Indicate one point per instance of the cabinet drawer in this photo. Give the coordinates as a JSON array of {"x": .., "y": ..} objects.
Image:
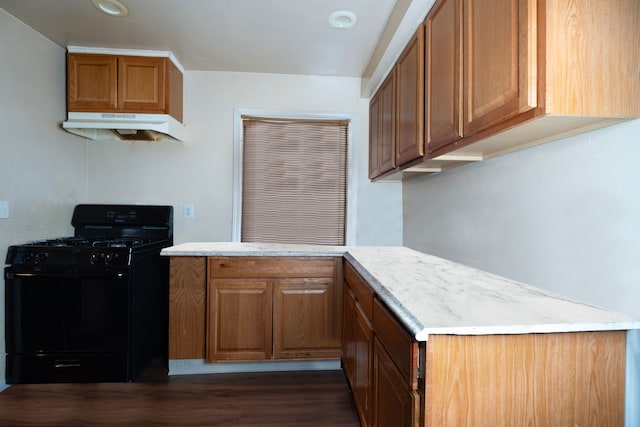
[
  {"x": 360, "y": 289},
  {"x": 270, "y": 267},
  {"x": 398, "y": 342}
]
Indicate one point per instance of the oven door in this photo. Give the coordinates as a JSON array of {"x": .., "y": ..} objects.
[{"x": 66, "y": 311}]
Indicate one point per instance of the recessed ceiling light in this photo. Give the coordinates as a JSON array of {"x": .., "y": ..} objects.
[
  {"x": 110, "y": 7},
  {"x": 342, "y": 19}
]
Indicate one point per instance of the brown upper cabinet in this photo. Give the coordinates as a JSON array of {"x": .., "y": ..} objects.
[
  {"x": 397, "y": 112},
  {"x": 443, "y": 75},
  {"x": 123, "y": 84},
  {"x": 410, "y": 100},
  {"x": 382, "y": 112},
  {"x": 481, "y": 68},
  {"x": 501, "y": 75}
]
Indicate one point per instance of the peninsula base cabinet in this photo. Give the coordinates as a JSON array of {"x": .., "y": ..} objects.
[
  {"x": 557, "y": 379},
  {"x": 542, "y": 380},
  {"x": 244, "y": 308},
  {"x": 263, "y": 308}
]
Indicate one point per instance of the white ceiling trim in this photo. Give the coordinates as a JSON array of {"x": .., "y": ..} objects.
[{"x": 415, "y": 15}]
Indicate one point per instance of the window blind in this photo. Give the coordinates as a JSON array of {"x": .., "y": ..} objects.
[{"x": 294, "y": 181}]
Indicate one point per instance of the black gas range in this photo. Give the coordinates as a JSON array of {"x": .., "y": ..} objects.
[{"x": 92, "y": 307}]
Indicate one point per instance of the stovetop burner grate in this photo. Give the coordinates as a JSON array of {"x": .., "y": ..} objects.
[{"x": 92, "y": 242}]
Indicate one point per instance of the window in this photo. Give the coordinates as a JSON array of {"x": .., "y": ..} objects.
[{"x": 293, "y": 181}]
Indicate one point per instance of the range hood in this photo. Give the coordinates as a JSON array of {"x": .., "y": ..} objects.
[{"x": 125, "y": 127}]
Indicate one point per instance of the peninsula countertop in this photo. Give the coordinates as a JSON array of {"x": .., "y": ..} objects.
[{"x": 432, "y": 295}]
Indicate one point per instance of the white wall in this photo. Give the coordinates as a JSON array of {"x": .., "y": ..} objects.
[
  {"x": 563, "y": 216},
  {"x": 45, "y": 171},
  {"x": 200, "y": 170},
  {"x": 42, "y": 169}
]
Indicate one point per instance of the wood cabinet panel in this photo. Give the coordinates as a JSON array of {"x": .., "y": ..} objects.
[
  {"x": 102, "y": 83},
  {"x": 394, "y": 404},
  {"x": 499, "y": 61},
  {"x": 503, "y": 75},
  {"x": 400, "y": 345},
  {"x": 274, "y": 308},
  {"x": 443, "y": 75},
  {"x": 545, "y": 380},
  {"x": 600, "y": 76},
  {"x": 240, "y": 320},
  {"x": 362, "y": 384},
  {"x": 92, "y": 83},
  {"x": 361, "y": 290},
  {"x": 271, "y": 267},
  {"x": 410, "y": 100},
  {"x": 349, "y": 335},
  {"x": 306, "y": 319},
  {"x": 173, "y": 91},
  {"x": 396, "y": 131},
  {"x": 358, "y": 341},
  {"x": 142, "y": 83},
  {"x": 187, "y": 299},
  {"x": 388, "y": 118},
  {"x": 374, "y": 135},
  {"x": 382, "y": 128}
]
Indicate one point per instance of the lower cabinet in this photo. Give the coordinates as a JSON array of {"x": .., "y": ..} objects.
[
  {"x": 306, "y": 319},
  {"x": 267, "y": 308},
  {"x": 239, "y": 320},
  {"x": 263, "y": 308},
  {"x": 394, "y": 403},
  {"x": 357, "y": 337},
  {"x": 384, "y": 394},
  {"x": 543, "y": 379}
]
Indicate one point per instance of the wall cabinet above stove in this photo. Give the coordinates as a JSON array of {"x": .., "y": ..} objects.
[
  {"x": 105, "y": 83},
  {"x": 502, "y": 75}
]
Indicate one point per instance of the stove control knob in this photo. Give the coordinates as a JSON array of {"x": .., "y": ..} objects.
[
  {"x": 93, "y": 259},
  {"x": 110, "y": 257},
  {"x": 40, "y": 257}
]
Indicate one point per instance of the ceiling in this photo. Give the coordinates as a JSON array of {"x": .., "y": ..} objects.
[{"x": 264, "y": 36}]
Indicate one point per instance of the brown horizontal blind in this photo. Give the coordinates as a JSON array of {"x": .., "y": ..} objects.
[{"x": 294, "y": 181}]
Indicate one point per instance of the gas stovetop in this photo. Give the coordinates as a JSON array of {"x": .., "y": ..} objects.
[
  {"x": 105, "y": 235},
  {"x": 74, "y": 251},
  {"x": 91, "y": 242}
]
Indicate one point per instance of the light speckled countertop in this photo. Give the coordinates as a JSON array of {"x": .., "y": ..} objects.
[{"x": 432, "y": 295}]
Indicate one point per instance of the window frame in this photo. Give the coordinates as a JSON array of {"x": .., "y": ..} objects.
[{"x": 238, "y": 173}]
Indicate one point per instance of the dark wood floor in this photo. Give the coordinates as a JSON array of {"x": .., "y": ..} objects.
[{"x": 315, "y": 398}]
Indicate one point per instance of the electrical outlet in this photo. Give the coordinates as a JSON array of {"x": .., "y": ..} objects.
[
  {"x": 4, "y": 209},
  {"x": 188, "y": 211}
]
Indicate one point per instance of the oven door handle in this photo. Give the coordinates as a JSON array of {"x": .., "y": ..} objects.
[{"x": 42, "y": 274}]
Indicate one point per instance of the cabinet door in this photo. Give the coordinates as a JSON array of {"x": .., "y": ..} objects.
[
  {"x": 91, "y": 83},
  {"x": 443, "y": 75},
  {"x": 499, "y": 61},
  {"x": 382, "y": 128},
  {"x": 393, "y": 402},
  {"x": 361, "y": 387},
  {"x": 387, "y": 137},
  {"x": 349, "y": 336},
  {"x": 239, "y": 320},
  {"x": 306, "y": 320},
  {"x": 142, "y": 84},
  {"x": 410, "y": 100},
  {"x": 374, "y": 135}
]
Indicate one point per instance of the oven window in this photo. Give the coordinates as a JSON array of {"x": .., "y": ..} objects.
[{"x": 63, "y": 314}]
